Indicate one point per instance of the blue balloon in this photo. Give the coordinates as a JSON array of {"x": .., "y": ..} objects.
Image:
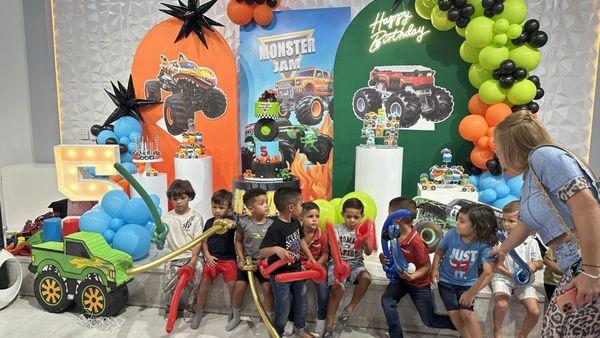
[
  {"x": 126, "y": 157},
  {"x": 116, "y": 224},
  {"x": 134, "y": 135},
  {"x": 150, "y": 227},
  {"x": 487, "y": 196},
  {"x": 131, "y": 168},
  {"x": 489, "y": 182},
  {"x": 500, "y": 203},
  {"x": 124, "y": 140},
  {"x": 97, "y": 206},
  {"x": 159, "y": 210},
  {"x": 155, "y": 199},
  {"x": 94, "y": 220},
  {"x": 126, "y": 125},
  {"x": 515, "y": 184},
  {"x": 136, "y": 211},
  {"x": 134, "y": 240},
  {"x": 105, "y": 134},
  {"x": 502, "y": 190},
  {"x": 474, "y": 180},
  {"x": 108, "y": 236},
  {"x": 130, "y": 147},
  {"x": 113, "y": 202}
]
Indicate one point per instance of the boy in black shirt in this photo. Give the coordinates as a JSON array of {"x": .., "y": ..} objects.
[
  {"x": 219, "y": 254},
  {"x": 282, "y": 241}
]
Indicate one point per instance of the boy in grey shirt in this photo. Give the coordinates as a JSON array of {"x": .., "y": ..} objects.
[{"x": 249, "y": 235}]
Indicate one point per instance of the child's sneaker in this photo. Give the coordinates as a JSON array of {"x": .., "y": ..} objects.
[
  {"x": 344, "y": 316},
  {"x": 197, "y": 319},
  {"x": 320, "y": 326},
  {"x": 327, "y": 333},
  {"x": 289, "y": 329}
]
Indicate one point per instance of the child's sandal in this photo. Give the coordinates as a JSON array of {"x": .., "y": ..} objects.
[{"x": 344, "y": 316}]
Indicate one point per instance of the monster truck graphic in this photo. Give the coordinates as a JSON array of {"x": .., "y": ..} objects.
[
  {"x": 193, "y": 89},
  {"x": 405, "y": 91},
  {"x": 307, "y": 92}
]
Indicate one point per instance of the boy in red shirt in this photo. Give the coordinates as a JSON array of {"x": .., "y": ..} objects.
[{"x": 416, "y": 284}]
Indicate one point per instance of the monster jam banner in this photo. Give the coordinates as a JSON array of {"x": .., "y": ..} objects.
[
  {"x": 294, "y": 57},
  {"x": 393, "y": 69},
  {"x": 198, "y": 87}
]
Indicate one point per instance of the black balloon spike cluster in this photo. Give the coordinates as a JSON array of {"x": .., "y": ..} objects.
[
  {"x": 271, "y": 3},
  {"x": 532, "y": 35},
  {"x": 532, "y": 106},
  {"x": 492, "y": 7},
  {"x": 458, "y": 11},
  {"x": 508, "y": 73},
  {"x": 194, "y": 19},
  {"x": 494, "y": 166}
]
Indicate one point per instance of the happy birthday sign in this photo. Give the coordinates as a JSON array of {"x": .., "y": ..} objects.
[{"x": 387, "y": 29}]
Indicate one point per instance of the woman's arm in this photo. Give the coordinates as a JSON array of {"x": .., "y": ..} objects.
[{"x": 517, "y": 236}]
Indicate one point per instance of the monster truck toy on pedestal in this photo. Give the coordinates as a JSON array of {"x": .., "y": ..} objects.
[
  {"x": 82, "y": 270},
  {"x": 241, "y": 185}
]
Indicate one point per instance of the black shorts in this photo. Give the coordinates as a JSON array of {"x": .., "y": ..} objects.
[
  {"x": 450, "y": 295},
  {"x": 243, "y": 276}
]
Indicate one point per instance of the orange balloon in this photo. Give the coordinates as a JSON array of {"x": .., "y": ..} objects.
[
  {"x": 263, "y": 15},
  {"x": 239, "y": 13},
  {"x": 490, "y": 132},
  {"x": 497, "y": 113},
  {"x": 492, "y": 144},
  {"x": 476, "y": 106},
  {"x": 480, "y": 156},
  {"x": 483, "y": 142},
  {"x": 472, "y": 127}
]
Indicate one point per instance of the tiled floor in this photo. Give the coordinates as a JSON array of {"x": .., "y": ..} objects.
[{"x": 24, "y": 318}]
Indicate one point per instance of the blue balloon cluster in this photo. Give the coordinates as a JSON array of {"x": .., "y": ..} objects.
[
  {"x": 126, "y": 130},
  {"x": 498, "y": 191},
  {"x": 126, "y": 224}
]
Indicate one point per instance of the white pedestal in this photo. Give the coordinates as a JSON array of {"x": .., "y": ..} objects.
[
  {"x": 379, "y": 174},
  {"x": 153, "y": 185},
  {"x": 199, "y": 173},
  {"x": 446, "y": 195}
]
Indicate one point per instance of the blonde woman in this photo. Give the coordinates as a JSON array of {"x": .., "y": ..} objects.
[{"x": 559, "y": 202}]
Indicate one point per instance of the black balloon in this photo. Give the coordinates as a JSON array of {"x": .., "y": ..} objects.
[
  {"x": 507, "y": 67},
  {"x": 122, "y": 148},
  {"x": 498, "y": 8},
  {"x": 111, "y": 140},
  {"x": 494, "y": 167},
  {"x": 96, "y": 129},
  {"x": 272, "y": 3},
  {"x": 506, "y": 81},
  {"x": 538, "y": 39},
  {"x": 496, "y": 74},
  {"x": 533, "y": 107},
  {"x": 531, "y": 26},
  {"x": 109, "y": 127},
  {"x": 259, "y": 1},
  {"x": 467, "y": 11},
  {"x": 488, "y": 12},
  {"x": 520, "y": 73},
  {"x": 460, "y": 3},
  {"x": 473, "y": 169},
  {"x": 518, "y": 107},
  {"x": 539, "y": 94},
  {"x": 523, "y": 38},
  {"x": 535, "y": 79},
  {"x": 453, "y": 14},
  {"x": 488, "y": 4},
  {"x": 444, "y": 5},
  {"x": 462, "y": 22}
]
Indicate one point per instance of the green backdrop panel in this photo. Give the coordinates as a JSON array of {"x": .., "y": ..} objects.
[{"x": 354, "y": 62}]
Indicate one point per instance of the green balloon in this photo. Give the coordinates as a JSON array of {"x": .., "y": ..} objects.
[
  {"x": 491, "y": 57},
  {"x": 469, "y": 53},
  {"x": 478, "y": 75},
  {"x": 490, "y": 92},
  {"x": 525, "y": 56},
  {"x": 422, "y": 10},
  {"x": 501, "y": 26},
  {"x": 440, "y": 21},
  {"x": 460, "y": 31},
  {"x": 514, "y": 31},
  {"x": 478, "y": 8},
  {"x": 429, "y": 3},
  {"x": 500, "y": 39},
  {"x": 480, "y": 32},
  {"x": 515, "y": 11},
  {"x": 522, "y": 92}
]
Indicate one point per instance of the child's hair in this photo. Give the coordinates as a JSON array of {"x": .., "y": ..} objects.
[
  {"x": 251, "y": 195},
  {"x": 178, "y": 188},
  {"x": 285, "y": 196},
  {"x": 309, "y": 206},
  {"x": 399, "y": 203},
  {"x": 511, "y": 207},
  {"x": 222, "y": 196},
  {"x": 353, "y": 203},
  {"x": 484, "y": 222}
]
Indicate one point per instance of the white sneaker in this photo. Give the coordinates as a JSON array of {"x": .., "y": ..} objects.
[
  {"x": 320, "y": 326},
  {"x": 288, "y": 330}
]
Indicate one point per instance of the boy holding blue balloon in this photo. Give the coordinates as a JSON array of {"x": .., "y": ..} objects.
[{"x": 415, "y": 282}]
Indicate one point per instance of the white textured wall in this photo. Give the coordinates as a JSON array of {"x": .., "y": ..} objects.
[{"x": 96, "y": 41}]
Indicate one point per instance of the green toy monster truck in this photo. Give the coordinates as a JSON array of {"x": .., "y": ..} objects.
[{"x": 84, "y": 270}]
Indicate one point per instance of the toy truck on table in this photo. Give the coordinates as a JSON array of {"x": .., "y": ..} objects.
[{"x": 82, "y": 270}]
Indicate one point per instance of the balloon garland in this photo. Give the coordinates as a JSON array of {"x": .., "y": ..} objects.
[{"x": 241, "y": 12}]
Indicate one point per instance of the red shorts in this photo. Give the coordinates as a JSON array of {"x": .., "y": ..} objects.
[{"x": 228, "y": 267}]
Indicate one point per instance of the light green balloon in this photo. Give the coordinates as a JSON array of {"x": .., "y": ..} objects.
[
  {"x": 469, "y": 53},
  {"x": 460, "y": 31},
  {"x": 440, "y": 21},
  {"x": 429, "y": 3},
  {"x": 480, "y": 32},
  {"x": 422, "y": 10},
  {"x": 514, "y": 31},
  {"x": 515, "y": 11},
  {"x": 478, "y": 75},
  {"x": 500, "y": 39},
  {"x": 478, "y": 8},
  {"x": 522, "y": 92},
  {"x": 501, "y": 26},
  {"x": 525, "y": 56},
  {"x": 490, "y": 57},
  {"x": 490, "y": 92}
]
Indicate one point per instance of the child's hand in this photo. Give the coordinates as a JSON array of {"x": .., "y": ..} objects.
[
  {"x": 407, "y": 276},
  {"x": 532, "y": 266},
  {"x": 241, "y": 262},
  {"x": 312, "y": 260},
  {"x": 467, "y": 298},
  {"x": 211, "y": 261},
  {"x": 191, "y": 265},
  {"x": 435, "y": 275},
  {"x": 283, "y": 253},
  {"x": 383, "y": 259}
]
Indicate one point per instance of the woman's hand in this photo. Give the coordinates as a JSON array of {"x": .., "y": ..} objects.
[
  {"x": 587, "y": 288},
  {"x": 497, "y": 252}
]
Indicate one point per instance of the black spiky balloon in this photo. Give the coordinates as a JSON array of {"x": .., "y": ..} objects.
[
  {"x": 127, "y": 104},
  {"x": 396, "y": 4},
  {"x": 193, "y": 18}
]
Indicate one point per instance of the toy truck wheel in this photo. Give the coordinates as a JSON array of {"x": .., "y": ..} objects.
[
  {"x": 215, "y": 104},
  {"x": 266, "y": 129},
  {"x": 443, "y": 104},
  {"x": 51, "y": 292},
  {"x": 285, "y": 110},
  {"x": 176, "y": 111},
  {"x": 430, "y": 232},
  {"x": 364, "y": 101},
  {"x": 309, "y": 110},
  {"x": 324, "y": 145},
  {"x": 93, "y": 300},
  {"x": 287, "y": 153},
  {"x": 152, "y": 90},
  {"x": 403, "y": 104}
]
